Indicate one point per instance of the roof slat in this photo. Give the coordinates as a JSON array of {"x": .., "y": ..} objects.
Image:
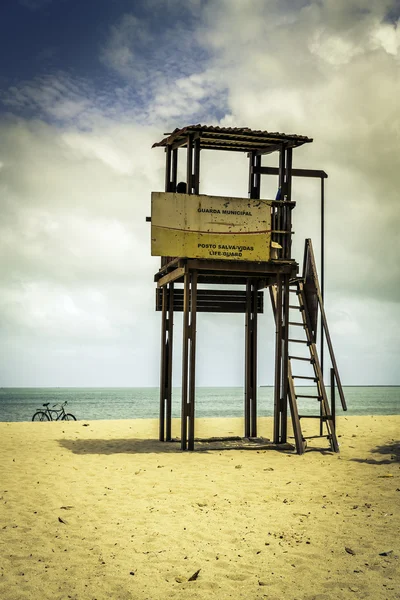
[{"x": 233, "y": 138}]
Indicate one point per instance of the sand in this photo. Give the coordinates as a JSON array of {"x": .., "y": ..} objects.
[{"x": 104, "y": 510}]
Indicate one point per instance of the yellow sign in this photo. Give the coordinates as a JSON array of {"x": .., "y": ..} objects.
[{"x": 213, "y": 227}]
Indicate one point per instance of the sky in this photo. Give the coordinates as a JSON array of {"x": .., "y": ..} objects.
[{"x": 87, "y": 87}]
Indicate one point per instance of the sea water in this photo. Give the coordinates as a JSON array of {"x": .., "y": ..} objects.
[{"x": 19, "y": 404}]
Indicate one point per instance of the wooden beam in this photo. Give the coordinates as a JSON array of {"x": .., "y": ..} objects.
[
  {"x": 295, "y": 172},
  {"x": 170, "y": 277}
]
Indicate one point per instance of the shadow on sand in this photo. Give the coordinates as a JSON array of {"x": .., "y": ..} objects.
[
  {"x": 391, "y": 450},
  {"x": 141, "y": 446}
]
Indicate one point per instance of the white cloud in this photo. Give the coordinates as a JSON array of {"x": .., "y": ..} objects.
[{"x": 76, "y": 271}]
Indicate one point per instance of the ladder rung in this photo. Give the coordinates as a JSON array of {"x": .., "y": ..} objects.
[
  {"x": 314, "y": 437},
  {"x": 298, "y": 324},
  {"x": 304, "y": 377},
  {"x": 299, "y": 341},
  {"x": 296, "y": 307},
  {"x": 310, "y": 360},
  {"x": 308, "y": 396},
  {"x": 324, "y": 418},
  {"x": 296, "y": 291}
]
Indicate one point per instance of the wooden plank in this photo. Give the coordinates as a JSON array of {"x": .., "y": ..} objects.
[
  {"x": 201, "y": 226},
  {"x": 229, "y": 301},
  {"x": 249, "y": 268},
  {"x": 295, "y": 172},
  {"x": 170, "y": 277}
]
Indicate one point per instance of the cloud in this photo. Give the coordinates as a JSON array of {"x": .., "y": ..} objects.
[
  {"x": 76, "y": 172},
  {"x": 328, "y": 70},
  {"x": 165, "y": 67},
  {"x": 75, "y": 264}
]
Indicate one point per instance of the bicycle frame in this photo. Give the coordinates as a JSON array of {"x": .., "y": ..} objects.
[{"x": 60, "y": 412}]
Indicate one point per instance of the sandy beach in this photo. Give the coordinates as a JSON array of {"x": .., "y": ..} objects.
[{"x": 101, "y": 509}]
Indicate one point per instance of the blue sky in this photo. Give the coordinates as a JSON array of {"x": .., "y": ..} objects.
[
  {"x": 87, "y": 87},
  {"x": 120, "y": 50}
]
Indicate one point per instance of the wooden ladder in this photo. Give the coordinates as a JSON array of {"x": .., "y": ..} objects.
[
  {"x": 307, "y": 338},
  {"x": 305, "y": 299}
]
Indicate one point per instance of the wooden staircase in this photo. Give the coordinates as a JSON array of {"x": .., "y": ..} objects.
[{"x": 304, "y": 306}]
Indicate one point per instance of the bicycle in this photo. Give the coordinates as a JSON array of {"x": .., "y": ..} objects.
[{"x": 53, "y": 413}]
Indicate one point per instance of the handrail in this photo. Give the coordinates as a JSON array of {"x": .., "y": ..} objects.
[{"x": 309, "y": 251}]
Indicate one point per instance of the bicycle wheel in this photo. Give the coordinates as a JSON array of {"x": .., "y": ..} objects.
[
  {"x": 68, "y": 417},
  {"x": 40, "y": 416}
]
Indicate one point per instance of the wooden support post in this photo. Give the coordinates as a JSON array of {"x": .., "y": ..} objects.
[
  {"x": 287, "y": 217},
  {"x": 257, "y": 177},
  {"x": 250, "y": 398},
  {"x": 321, "y": 352},
  {"x": 254, "y": 177},
  {"x": 253, "y": 421},
  {"x": 251, "y": 175},
  {"x": 168, "y": 388},
  {"x": 164, "y": 365},
  {"x": 185, "y": 359},
  {"x": 278, "y": 361},
  {"x": 321, "y": 343},
  {"x": 247, "y": 376},
  {"x": 289, "y": 162},
  {"x": 196, "y": 171},
  {"x": 174, "y": 176},
  {"x": 285, "y": 359},
  {"x": 282, "y": 170},
  {"x": 279, "y": 221},
  {"x": 168, "y": 169},
  {"x": 192, "y": 359},
  {"x": 167, "y": 321},
  {"x": 189, "y": 165}
]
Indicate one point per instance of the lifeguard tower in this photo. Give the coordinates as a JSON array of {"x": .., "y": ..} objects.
[{"x": 220, "y": 241}]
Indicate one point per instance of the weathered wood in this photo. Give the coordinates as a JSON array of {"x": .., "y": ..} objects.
[
  {"x": 253, "y": 420},
  {"x": 170, "y": 329},
  {"x": 185, "y": 362},
  {"x": 247, "y": 362},
  {"x": 325, "y": 415},
  {"x": 189, "y": 165},
  {"x": 178, "y": 273},
  {"x": 168, "y": 169},
  {"x": 249, "y": 268},
  {"x": 196, "y": 171},
  {"x": 295, "y": 172},
  {"x": 285, "y": 359},
  {"x": 163, "y": 366},
  {"x": 174, "y": 169},
  {"x": 229, "y": 301},
  {"x": 291, "y": 393},
  {"x": 278, "y": 361},
  {"x": 192, "y": 359},
  {"x": 325, "y": 324}
]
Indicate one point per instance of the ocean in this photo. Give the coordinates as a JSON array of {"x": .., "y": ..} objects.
[{"x": 19, "y": 404}]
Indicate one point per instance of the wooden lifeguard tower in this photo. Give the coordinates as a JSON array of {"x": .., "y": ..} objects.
[{"x": 220, "y": 241}]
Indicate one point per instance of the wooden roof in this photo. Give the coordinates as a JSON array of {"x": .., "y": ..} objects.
[{"x": 239, "y": 139}]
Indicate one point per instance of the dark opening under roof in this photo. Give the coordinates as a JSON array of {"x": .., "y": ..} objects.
[{"x": 238, "y": 139}]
